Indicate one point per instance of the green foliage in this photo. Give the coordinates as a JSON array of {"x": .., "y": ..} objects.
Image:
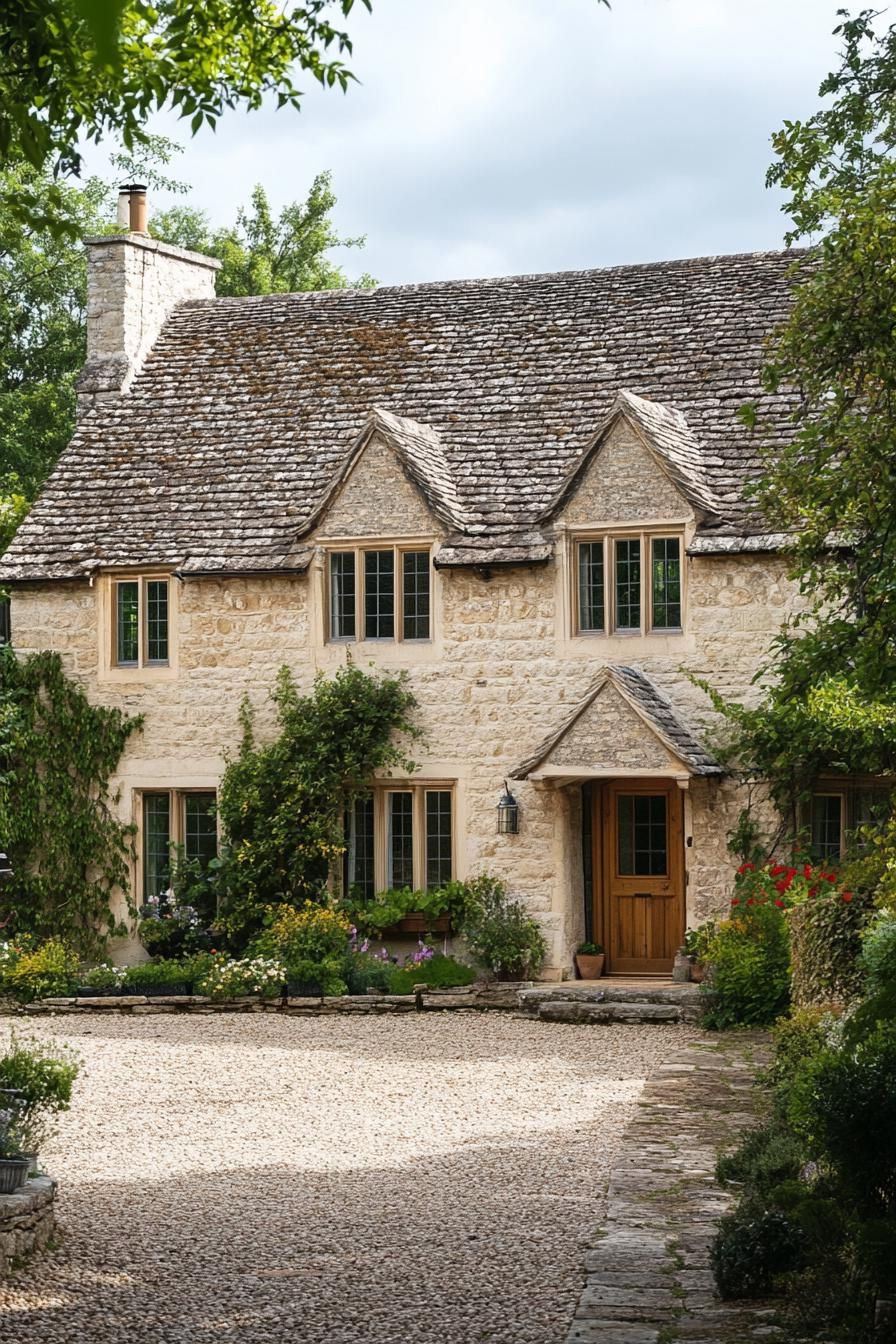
[
  {"x": 282, "y": 804},
  {"x": 78, "y": 71},
  {"x": 753, "y": 1246},
  {"x": 590, "y": 949},
  {"x": 452, "y": 900},
  {"x": 231, "y": 977},
  {"x": 749, "y": 955},
  {"x": 766, "y": 1158},
  {"x": 439, "y": 972},
  {"x": 501, "y": 934},
  {"x": 44, "y": 1075},
  {"x": 105, "y": 976},
  {"x": 878, "y": 958},
  {"x": 48, "y": 971},
  {"x": 363, "y": 971},
  {"x": 67, "y": 848},
  {"x": 152, "y": 973},
  {"x": 826, "y": 943},
  {"x": 313, "y": 934},
  {"x": 261, "y": 254}
]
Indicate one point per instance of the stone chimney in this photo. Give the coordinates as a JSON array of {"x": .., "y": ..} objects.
[{"x": 133, "y": 285}]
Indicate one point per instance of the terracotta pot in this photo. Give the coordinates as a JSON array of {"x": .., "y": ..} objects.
[
  {"x": 698, "y": 972},
  {"x": 590, "y": 967}
]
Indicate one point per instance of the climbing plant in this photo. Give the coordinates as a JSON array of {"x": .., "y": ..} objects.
[
  {"x": 282, "y": 804},
  {"x": 67, "y": 848}
]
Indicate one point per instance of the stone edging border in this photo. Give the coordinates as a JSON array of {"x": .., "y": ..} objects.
[
  {"x": 648, "y": 1279},
  {"x": 27, "y": 1220},
  {"x": 502, "y": 995}
]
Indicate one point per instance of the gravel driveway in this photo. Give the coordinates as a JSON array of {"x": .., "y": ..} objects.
[{"x": 412, "y": 1180}]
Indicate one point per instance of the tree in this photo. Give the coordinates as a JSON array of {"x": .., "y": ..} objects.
[
  {"x": 82, "y": 70},
  {"x": 834, "y": 485},
  {"x": 264, "y": 255}
]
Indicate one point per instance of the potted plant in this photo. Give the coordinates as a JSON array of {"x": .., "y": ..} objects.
[
  {"x": 100, "y": 981},
  {"x": 13, "y": 1163},
  {"x": 590, "y": 961},
  {"x": 39, "y": 1077},
  {"x": 696, "y": 945}
]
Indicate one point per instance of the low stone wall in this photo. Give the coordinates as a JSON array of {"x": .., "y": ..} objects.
[
  {"x": 470, "y": 998},
  {"x": 27, "y": 1221}
]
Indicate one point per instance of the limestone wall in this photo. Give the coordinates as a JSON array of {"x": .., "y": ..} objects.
[
  {"x": 498, "y": 686},
  {"x": 26, "y": 1221}
]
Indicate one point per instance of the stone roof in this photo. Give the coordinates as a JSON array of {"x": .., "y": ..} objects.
[
  {"x": 650, "y": 704},
  {"x": 248, "y": 412}
]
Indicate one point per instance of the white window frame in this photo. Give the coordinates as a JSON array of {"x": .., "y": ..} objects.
[{"x": 607, "y": 538}]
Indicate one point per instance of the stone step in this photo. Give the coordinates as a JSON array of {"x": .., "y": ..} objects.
[{"x": 629, "y": 1010}]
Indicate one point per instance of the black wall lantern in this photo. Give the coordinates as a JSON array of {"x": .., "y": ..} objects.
[{"x": 508, "y": 813}]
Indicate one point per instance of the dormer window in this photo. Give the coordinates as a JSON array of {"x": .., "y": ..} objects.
[
  {"x": 628, "y": 583},
  {"x": 140, "y": 622},
  {"x": 380, "y": 593}
]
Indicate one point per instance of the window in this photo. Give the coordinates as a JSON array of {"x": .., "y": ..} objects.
[
  {"x": 140, "y": 623},
  {"x": 379, "y": 594},
  {"x": 174, "y": 818},
  {"x": 628, "y": 584},
  {"x": 836, "y": 811},
  {"x": 403, "y": 836}
]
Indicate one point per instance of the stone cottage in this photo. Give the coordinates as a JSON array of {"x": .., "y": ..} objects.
[{"x": 528, "y": 492}]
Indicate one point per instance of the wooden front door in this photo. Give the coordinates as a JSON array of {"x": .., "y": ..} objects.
[{"x": 641, "y": 829}]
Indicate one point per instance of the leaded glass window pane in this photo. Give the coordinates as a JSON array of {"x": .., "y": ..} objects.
[
  {"x": 415, "y": 594},
  {"x": 156, "y": 843},
  {"x": 379, "y": 594},
  {"x": 643, "y": 845},
  {"x": 157, "y": 621},
  {"x": 200, "y": 827},
  {"x": 438, "y": 837},
  {"x": 628, "y": 584},
  {"x": 342, "y": 595},
  {"x": 827, "y": 809},
  {"x": 400, "y": 840},
  {"x": 666, "y": 574},
  {"x": 359, "y": 848},
  {"x": 127, "y": 623},
  {"x": 591, "y": 586}
]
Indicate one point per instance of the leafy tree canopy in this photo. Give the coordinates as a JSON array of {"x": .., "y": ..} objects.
[
  {"x": 833, "y": 699},
  {"x": 84, "y": 70},
  {"x": 264, "y": 254}
]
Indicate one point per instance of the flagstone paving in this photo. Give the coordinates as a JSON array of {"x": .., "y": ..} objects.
[{"x": 648, "y": 1275}]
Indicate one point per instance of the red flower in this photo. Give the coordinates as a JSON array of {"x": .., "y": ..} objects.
[
  {"x": 807, "y": 870},
  {"x": 782, "y": 885},
  {"x": 751, "y": 901},
  {"x": 846, "y": 896},
  {"x": 777, "y": 869},
  {"x": 736, "y": 901},
  {"x": 828, "y": 877},
  {"x": 813, "y": 891},
  {"x": 747, "y": 868},
  {"x": 779, "y": 904}
]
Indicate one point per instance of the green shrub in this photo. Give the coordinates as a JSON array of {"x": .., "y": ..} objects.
[
  {"x": 753, "y": 1247},
  {"x": 799, "y": 1039},
  {"x": 362, "y": 971},
  {"x": 44, "y": 1074},
  {"x": 315, "y": 933},
  {"x": 750, "y": 957},
  {"x": 439, "y": 972},
  {"x": 49, "y": 971},
  {"x": 104, "y": 976},
  {"x": 878, "y": 959},
  {"x": 501, "y": 934},
  {"x": 327, "y": 975},
  {"x": 154, "y": 973},
  {"x": 826, "y": 944},
  {"x": 766, "y": 1158}
]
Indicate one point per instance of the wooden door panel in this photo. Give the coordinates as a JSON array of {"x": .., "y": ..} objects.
[{"x": 643, "y": 910}]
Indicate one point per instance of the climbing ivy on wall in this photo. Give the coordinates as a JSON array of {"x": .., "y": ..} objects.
[
  {"x": 67, "y": 848},
  {"x": 282, "y": 803}
]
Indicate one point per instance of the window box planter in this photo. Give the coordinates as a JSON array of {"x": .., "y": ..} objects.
[
  {"x": 304, "y": 989},
  {"x": 13, "y": 1173},
  {"x": 100, "y": 991},
  {"x": 417, "y": 923},
  {"x": 163, "y": 990}
]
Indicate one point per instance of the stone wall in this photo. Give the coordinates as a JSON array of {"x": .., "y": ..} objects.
[
  {"x": 497, "y": 681},
  {"x": 27, "y": 1221}
]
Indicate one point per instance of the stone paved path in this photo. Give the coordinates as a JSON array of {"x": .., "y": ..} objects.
[{"x": 649, "y": 1280}]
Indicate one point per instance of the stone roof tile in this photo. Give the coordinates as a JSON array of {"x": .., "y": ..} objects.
[{"x": 246, "y": 410}]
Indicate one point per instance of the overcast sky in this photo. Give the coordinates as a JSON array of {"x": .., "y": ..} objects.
[{"x": 493, "y": 137}]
